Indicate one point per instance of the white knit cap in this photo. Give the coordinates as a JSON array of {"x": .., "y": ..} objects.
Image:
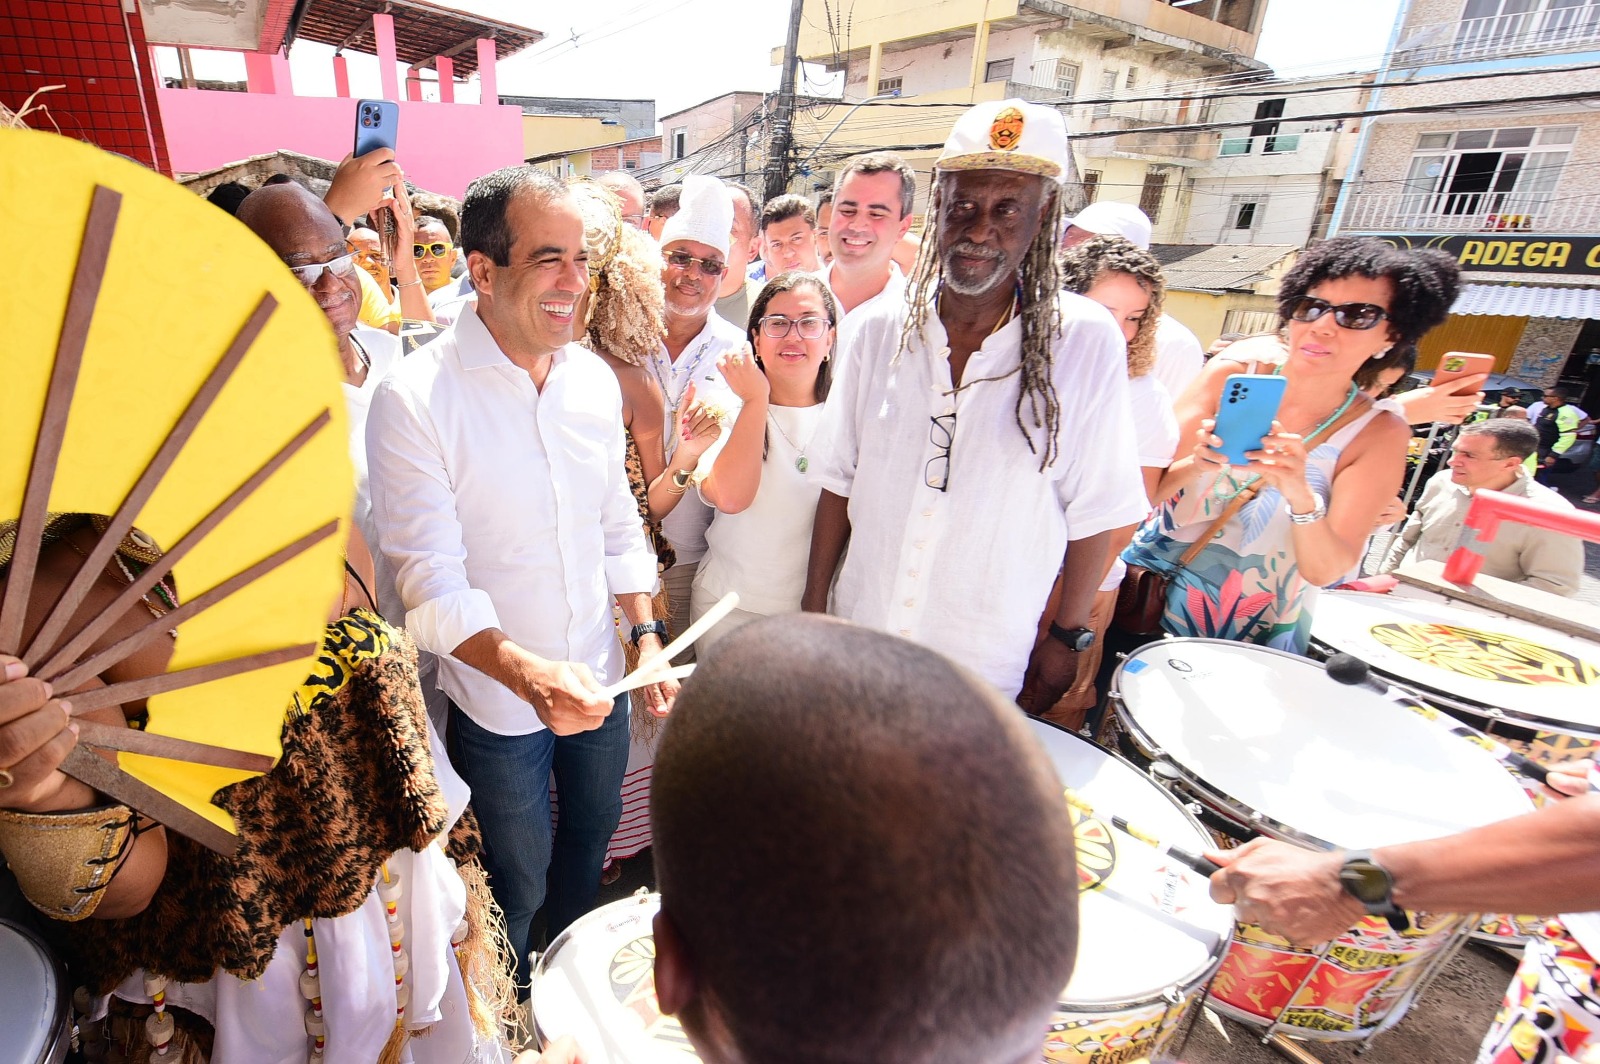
[
  {"x": 1115, "y": 219},
  {"x": 705, "y": 214}
]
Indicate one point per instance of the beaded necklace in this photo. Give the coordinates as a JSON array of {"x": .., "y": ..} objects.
[{"x": 390, "y": 889}]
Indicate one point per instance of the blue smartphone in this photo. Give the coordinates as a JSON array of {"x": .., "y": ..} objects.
[
  {"x": 1245, "y": 414},
  {"x": 377, "y": 126}
]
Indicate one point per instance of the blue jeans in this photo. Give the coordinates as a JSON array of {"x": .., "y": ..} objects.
[{"x": 510, "y": 780}]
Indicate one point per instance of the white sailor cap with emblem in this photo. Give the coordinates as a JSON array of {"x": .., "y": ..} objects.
[{"x": 1008, "y": 135}]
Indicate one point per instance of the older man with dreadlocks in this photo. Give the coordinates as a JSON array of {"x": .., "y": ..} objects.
[{"x": 980, "y": 433}]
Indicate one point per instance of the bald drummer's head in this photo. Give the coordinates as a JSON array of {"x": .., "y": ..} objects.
[{"x": 863, "y": 855}]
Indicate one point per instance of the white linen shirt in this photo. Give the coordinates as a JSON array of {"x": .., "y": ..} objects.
[
  {"x": 967, "y": 571},
  {"x": 893, "y": 294},
  {"x": 685, "y": 527},
  {"x": 500, "y": 505}
]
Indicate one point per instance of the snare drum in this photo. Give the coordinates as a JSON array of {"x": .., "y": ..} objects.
[
  {"x": 597, "y": 983},
  {"x": 1149, "y": 935},
  {"x": 1270, "y": 742},
  {"x": 35, "y": 1013},
  {"x": 1490, "y": 669}
]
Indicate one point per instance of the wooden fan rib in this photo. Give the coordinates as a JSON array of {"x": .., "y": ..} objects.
[
  {"x": 134, "y": 741},
  {"x": 88, "y": 767},
  {"x": 70, "y": 599},
  {"x": 130, "y": 595},
  {"x": 87, "y": 277},
  {"x": 120, "y": 650},
  {"x": 132, "y": 690}
]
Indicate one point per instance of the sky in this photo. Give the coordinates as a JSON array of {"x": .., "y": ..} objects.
[{"x": 678, "y": 52}]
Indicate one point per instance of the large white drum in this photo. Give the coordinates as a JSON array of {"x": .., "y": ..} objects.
[
  {"x": 1489, "y": 666},
  {"x": 1149, "y": 935},
  {"x": 1269, "y": 741},
  {"x": 597, "y": 983},
  {"x": 35, "y": 1019}
]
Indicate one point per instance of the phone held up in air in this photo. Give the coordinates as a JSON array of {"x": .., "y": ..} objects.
[
  {"x": 1249, "y": 405},
  {"x": 377, "y": 126},
  {"x": 1457, "y": 364}
]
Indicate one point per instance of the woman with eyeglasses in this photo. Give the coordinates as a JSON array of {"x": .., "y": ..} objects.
[
  {"x": 1127, "y": 281},
  {"x": 1297, "y": 515},
  {"x": 757, "y": 476}
]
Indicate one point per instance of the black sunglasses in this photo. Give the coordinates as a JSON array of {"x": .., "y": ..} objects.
[{"x": 1360, "y": 316}]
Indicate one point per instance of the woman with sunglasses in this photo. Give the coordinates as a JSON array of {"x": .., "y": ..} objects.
[
  {"x": 757, "y": 476},
  {"x": 1297, "y": 516}
]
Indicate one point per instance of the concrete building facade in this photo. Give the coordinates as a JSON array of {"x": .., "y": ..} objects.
[
  {"x": 1276, "y": 176},
  {"x": 1118, "y": 69},
  {"x": 1503, "y": 176}
]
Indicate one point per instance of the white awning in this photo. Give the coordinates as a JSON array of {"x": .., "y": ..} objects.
[{"x": 1532, "y": 301}]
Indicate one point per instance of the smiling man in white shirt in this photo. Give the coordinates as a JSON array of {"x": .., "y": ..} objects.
[
  {"x": 872, "y": 203},
  {"x": 502, "y": 505},
  {"x": 978, "y": 431}
]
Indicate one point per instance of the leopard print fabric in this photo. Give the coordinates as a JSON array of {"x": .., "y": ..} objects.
[
  {"x": 355, "y": 784},
  {"x": 666, "y": 558}
]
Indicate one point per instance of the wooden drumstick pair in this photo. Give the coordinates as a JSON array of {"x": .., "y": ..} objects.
[{"x": 660, "y": 667}]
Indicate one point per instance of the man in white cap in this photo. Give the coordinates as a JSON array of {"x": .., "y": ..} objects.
[
  {"x": 979, "y": 436},
  {"x": 694, "y": 246},
  {"x": 1179, "y": 356}
]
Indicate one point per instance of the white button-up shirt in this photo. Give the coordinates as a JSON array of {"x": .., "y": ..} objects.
[
  {"x": 893, "y": 295},
  {"x": 685, "y": 527},
  {"x": 967, "y": 571},
  {"x": 500, "y": 505}
]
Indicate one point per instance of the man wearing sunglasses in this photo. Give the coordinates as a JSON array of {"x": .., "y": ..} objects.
[
  {"x": 694, "y": 248},
  {"x": 981, "y": 428}
]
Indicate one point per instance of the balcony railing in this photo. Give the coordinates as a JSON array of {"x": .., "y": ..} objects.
[
  {"x": 1277, "y": 144},
  {"x": 1473, "y": 212},
  {"x": 1554, "y": 30}
]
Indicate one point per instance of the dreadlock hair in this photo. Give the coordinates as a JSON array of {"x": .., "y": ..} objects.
[
  {"x": 1084, "y": 264},
  {"x": 788, "y": 282},
  {"x": 1038, "y": 285}
]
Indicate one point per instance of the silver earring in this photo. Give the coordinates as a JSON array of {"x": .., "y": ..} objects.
[{"x": 1384, "y": 353}]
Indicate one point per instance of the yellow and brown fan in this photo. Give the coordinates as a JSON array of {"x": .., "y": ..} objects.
[{"x": 164, "y": 370}]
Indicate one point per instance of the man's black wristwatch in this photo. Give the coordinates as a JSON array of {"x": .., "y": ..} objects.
[
  {"x": 1079, "y": 639},
  {"x": 1368, "y": 882},
  {"x": 641, "y": 630}
]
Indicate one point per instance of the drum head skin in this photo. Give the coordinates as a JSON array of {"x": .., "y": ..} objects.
[
  {"x": 31, "y": 1003},
  {"x": 1535, "y": 674},
  {"x": 1145, "y": 922},
  {"x": 597, "y": 983},
  {"x": 1271, "y": 734}
]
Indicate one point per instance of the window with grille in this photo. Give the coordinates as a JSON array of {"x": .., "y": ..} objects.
[
  {"x": 889, "y": 86},
  {"x": 1151, "y": 195},
  {"x": 1066, "y": 77},
  {"x": 1488, "y": 178}
]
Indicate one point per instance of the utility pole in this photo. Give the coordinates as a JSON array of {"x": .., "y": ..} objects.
[{"x": 783, "y": 114}]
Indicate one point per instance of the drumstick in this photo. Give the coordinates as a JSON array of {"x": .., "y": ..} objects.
[
  {"x": 650, "y": 671},
  {"x": 1201, "y": 865},
  {"x": 1351, "y": 670}
]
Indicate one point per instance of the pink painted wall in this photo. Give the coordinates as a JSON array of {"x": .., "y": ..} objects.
[{"x": 443, "y": 146}]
